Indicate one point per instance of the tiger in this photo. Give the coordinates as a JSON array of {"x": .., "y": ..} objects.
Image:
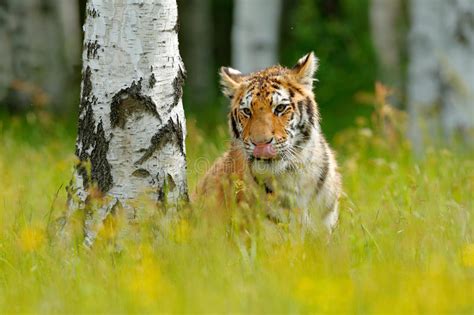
[{"x": 277, "y": 152}]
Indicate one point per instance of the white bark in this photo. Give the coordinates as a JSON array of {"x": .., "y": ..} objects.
[
  {"x": 441, "y": 71},
  {"x": 384, "y": 20},
  {"x": 34, "y": 63},
  {"x": 131, "y": 123},
  {"x": 255, "y": 34}
]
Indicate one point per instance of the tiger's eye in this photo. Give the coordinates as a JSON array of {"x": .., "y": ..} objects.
[
  {"x": 247, "y": 111},
  {"x": 280, "y": 108}
]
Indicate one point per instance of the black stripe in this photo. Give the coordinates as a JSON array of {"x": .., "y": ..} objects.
[
  {"x": 304, "y": 126},
  {"x": 310, "y": 110},
  {"x": 325, "y": 169},
  {"x": 295, "y": 88},
  {"x": 300, "y": 108},
  {"x": 233, "y": 123},
  {"x": 305, "y": 135},
  {"x": 268, "y": 190}
]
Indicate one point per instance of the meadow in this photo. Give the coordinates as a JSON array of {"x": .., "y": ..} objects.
[{"x": 404, "y": 244}]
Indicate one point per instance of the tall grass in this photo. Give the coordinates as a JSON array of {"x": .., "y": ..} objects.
[{"x": 405, "y": 242}]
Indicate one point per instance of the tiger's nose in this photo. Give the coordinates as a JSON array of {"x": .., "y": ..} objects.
[
  {"x": 261, "y": 140},
  {"x": 264, "y": 150}
]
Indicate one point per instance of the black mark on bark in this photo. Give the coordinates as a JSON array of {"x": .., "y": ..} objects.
[
  {"x": 92, "y": 139},
  {"x": 168, "y": 185},
  {"x": 128, "y": 101},
  {"x": 141, "y": 172},
  {"x": 92, "y": 48},
  {"x": 178, "y": 83},
  {"x": 170, "y": 133},
  {"x": 152, "y": 81},
  {"x": 87, "y": 84},
  {"x": 100, "y": 167},
  {"x": 93, "y": 13},
  {"x": 174, "y": 29},
  {"x": 161, "y": 194},
  {"x": 170, "y": 182}
]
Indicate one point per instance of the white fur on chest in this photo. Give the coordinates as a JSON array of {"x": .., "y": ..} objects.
[
  {"x": 300, "y": 187},
  {"x": 296, "y": 181},
  {"x": 294, "y": 188}
]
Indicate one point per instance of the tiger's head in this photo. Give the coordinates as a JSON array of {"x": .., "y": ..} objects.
[{"x": 273, "y": 112}]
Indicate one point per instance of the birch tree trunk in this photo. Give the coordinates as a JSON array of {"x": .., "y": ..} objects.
[
  {"x": 384, "y": 20},
  {"x": 131, "y": 123},
  {"x": 196, "y": 46},
  {"x": 40, "y": 45},
  {"x": 255, "y": 34},
  {"x": 441, "y": 71}
]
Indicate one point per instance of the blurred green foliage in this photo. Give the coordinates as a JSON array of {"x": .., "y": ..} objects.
[{"x": 336, "y": 30}]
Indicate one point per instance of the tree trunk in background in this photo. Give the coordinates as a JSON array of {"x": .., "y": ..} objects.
[
  {"x": 385, "y": 20},
  {"x": 39, "y": 49},
  {"x": 131, "y": 123},
  {"x": 255, "y": 34},
  {"x": 196, "y": 45},
  {"x": 71, "y": 24},
  {"x": 441, "y": 71}
]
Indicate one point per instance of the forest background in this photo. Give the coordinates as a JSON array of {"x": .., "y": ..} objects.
[{"x": 405, "y": 242}]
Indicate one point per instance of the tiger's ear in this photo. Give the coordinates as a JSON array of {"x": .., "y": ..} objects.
[
  {"x": 231, "y": 80},
  {"x": 305, "y": 69}
]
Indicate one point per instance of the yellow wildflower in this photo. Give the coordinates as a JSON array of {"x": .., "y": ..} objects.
[
  {"x": 144, "y": 279},
  {"x": 30, "y": 239},
  {"x": 325, "y": 294},
  {"x": 468, "y": 255}
]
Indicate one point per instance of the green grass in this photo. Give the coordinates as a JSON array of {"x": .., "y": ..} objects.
[{"x": 405, "y": 242}]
